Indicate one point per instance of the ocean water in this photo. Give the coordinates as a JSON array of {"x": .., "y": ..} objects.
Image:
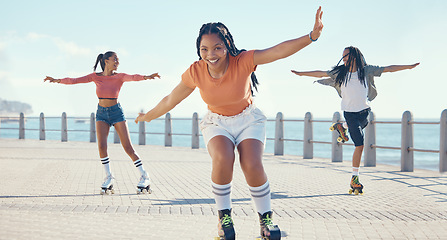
[{"x": 426, "y": 137}]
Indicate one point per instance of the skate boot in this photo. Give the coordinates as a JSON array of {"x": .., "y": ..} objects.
[
  {"x": 225, "y": 226},
  {"x": 144, "y": 186},
  {"x": 107, "y": 186},
  {"x": 342, "y": 132},
  {"x": 268, "y": 230},
  {"x": 356, "y": 186}
]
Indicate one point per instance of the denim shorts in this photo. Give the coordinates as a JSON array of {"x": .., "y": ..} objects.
[
  {"x": 110, "y": 115},
  {"x": 249, "y": 124},
  {"x": 357, "y": 121}
]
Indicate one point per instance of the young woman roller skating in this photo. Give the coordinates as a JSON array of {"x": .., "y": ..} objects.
[
  {"x": 109, "y": 113},
  {"x": 225, "y": 77},
  {"x": 354, "y": 82}
]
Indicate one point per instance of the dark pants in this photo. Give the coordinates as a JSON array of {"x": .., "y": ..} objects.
[{"x": 357, "y": 121}]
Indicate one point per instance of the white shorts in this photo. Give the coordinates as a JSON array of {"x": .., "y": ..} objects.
[{"x": 249, "y": 124}]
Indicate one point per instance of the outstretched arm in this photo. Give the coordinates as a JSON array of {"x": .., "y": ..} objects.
[
  {"x": 395, "y": 68},
  {"x": 167, "y": 103},
  {"x": 318, "y": 73},
  {"x": 152, "y": 76},
  {"x": 289, "y": 47}
]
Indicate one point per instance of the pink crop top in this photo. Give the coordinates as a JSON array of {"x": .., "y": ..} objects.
[{"x": 106, "y": 86}]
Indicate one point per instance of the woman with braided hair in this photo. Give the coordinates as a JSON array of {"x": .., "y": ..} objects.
[
  {"x": 354, "y": 82},
  {"x": 109, "y": 113},
  {"x": 225, "y": 78}
]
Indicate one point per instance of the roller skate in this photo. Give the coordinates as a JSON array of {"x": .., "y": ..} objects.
[
  {"x": 225, "y": 226},
  {"x": 356, "y": 186},
  {"x": 144, "y": 186},
  {"x": 107, "y": 186},
  {"x": 342, "y": 132},
  {"x": 268, "y": 230}
]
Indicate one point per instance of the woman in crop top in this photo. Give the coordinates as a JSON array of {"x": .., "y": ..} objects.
[
  {"x": 354, "y": 82},
  {"x": 224, "y": 76},
  {"x": 109, "y": 113}
]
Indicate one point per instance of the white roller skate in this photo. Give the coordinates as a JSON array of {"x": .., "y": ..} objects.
[
  {"x": 107, "y": 186},
  {"x": 144, "y": 186}
]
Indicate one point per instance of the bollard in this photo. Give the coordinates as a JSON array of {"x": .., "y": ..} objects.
[
  {"x": 279, "y": 135},
  {"x": 407, "y": 156},
  {"x": 337, "y": 148},
  {"x": 64, "y": 132},
  {"x": 195, "y": 132},
  {"x": 92, "y": 128},
  {"x": 168, "y": 130},
  {"x": 142, "y": 133},
  {"x": 22, "y": 126},
  {"x": 308, "y": 146},
  {"x": 42, "y": 126},
  {"x": 116, "y": 137},
  {"x": 370, "y": 140},
  {"x": 443, "y": 143}
]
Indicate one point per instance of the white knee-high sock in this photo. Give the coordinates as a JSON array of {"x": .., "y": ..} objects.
[
  {"x": 106, "y": 163},
  {"x": 261, "y": 197},
  {"x": 222, "y": 195},
  {"x": 140, "y": 167}
]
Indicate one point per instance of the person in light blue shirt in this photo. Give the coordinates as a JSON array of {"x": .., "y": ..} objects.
[{"x": 354, "y": 82}]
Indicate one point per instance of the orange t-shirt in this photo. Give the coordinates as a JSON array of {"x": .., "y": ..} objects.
[{"x": 228, "y": 95}]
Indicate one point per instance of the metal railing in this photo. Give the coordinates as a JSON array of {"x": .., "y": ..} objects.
[{"x": 407, "y": 137}]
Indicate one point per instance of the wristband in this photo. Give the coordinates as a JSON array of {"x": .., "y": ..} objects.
[{"x": 310, "y": 37}]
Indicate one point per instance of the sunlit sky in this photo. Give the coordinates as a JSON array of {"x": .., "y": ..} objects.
[{"x": 63, "y": 38}]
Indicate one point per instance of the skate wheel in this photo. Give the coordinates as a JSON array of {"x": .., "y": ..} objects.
[
  {"x": 149, "y": 191},
  {"x": 331, "y": 128},
  {"x": 144, "y": 191},
  {"x": 356, "y": 192},
  {"x": 102, "y": 192},
  {"x": 112, "y": 191},
  {"x": 350, "y": 191},
  {"x": 138, "y": 191},
  {"x": 339, "y": 139}
]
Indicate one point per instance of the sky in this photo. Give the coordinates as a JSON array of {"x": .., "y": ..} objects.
[{"x": 63, "y": 38}]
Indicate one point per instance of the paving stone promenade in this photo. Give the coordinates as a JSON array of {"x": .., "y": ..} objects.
[{"x": 50, "y": 190}]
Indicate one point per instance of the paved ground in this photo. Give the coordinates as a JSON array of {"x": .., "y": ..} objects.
[{"x": 50, "y": 190}]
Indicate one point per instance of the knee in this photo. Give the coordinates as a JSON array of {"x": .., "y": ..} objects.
[
  {"x": 129, "y": 149},
  {"x": 252, "y": 167},
  {"x": 102, "y": 146}
]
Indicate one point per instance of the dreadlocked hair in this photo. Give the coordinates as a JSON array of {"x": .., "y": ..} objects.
[
  {"x": 224, "y": 34},
  {"x": 342, "y": 71}
]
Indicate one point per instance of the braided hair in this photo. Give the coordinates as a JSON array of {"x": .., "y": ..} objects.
[
  {"x": 100, "y": 59},
  {"x": 342, "y": 71},
  {"x": 224, "y": 34}
]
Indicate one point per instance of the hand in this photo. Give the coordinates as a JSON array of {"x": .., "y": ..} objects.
[
  {"x": 297, "y": 73},
  {"x": 414, "y": 65},
  {"x": 318, "y": 26},
  {"x": 52, "y": 80},
  {"x": 152, "y": 76},
  {"x": 140, "y": 117}
]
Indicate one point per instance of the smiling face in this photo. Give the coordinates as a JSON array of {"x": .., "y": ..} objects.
[
  {"x": 213, "y": 51},
  {"x": 112, "y": 63}
]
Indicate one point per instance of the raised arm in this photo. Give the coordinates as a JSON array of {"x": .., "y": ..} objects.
[
  {"x": 180, "y": 92},
  {"x": 395, "y": 68},
  {"x": 289, "y": 47},
  {"x": 318, "y": 73}
]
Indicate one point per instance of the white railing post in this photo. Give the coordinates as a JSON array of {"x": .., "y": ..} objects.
[
  {"x": 370, "y": 140},
  {"x": 116, "y": 137},
  {"x": 168, "y": 130},
  {"x": 407, "y": 156},
  {"x": 142, "y": 133},
  {"x": 195, "y": 140},
  {"x": 92, "y": 128},
  {"x": 337, "y": 148},
  {"x": 42, "y": 126},
  {"x": 443, "y": 142},
  {"x": 64, "y": 126},
  {"x": 22, "y": 126},
  {"x": 308, "y": 146},
  {"x": 279, "y": 134}
]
